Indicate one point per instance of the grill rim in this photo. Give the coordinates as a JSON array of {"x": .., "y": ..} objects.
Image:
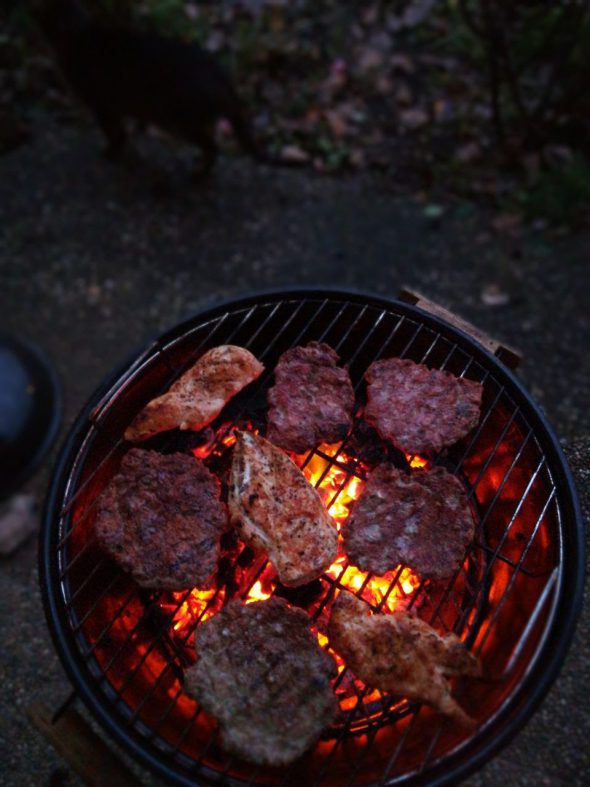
[{"x": 562, "y": 615}]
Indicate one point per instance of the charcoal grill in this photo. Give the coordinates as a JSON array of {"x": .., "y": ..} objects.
[{"x": 514, "y": 601}]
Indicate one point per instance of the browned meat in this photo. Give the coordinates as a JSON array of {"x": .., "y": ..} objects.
[
  {"x": 417, "y": 408},
  {"x": 197, "y": 397},
  {"x": 400, "y": 654},
  {"x": 421, "y": 519},
  {"x": 312, "y": 399},
  {"x": 275, "y": 509},
  {"x": 263, "y": 676},
  {"x": 161, "y": 519}
]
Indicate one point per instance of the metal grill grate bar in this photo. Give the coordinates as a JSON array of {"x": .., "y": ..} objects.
[{"x": 512, "y": 580}]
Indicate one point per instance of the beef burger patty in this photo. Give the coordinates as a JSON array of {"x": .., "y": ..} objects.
[
  {"x": 312, "y": 399},
  {"x": 161, "y": 518},
  {"x": 417, "y": 408},
  {"x": 263, "y": 676},
  {"x": 421, "y": 519}
]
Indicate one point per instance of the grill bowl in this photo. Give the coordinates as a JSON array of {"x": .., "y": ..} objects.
[{"x": 525, "y": 572}]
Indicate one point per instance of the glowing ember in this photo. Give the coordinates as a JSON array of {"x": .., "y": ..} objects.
[
  {"x": 417, "y": 461},
  {"x": 257, "y": 593},
  {"x": 203, "y": 451},
  {"x": 337, "y": 488},
  {"x": 389, "y": 589},
  {"x": 194, "y": 608},
  {"x": 216, "y": 446},
  {"x": 229, "y": 440}
]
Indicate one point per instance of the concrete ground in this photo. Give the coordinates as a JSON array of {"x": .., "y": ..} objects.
[{"x": 96, "y": 259}]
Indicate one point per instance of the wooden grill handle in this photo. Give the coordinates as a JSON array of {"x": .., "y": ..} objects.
[
  {"x": 83, "y": 750},
  {"x": 508, "y": 355}
]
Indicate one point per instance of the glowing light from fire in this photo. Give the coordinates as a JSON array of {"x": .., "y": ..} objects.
[
  {"x": 229, "y": 440},
  {"x": 203, "y": 451},
  {"x": 334, "y": 484},
  {"x": 375, "y": 589},
  {"x": 417, "y": 461},
  {"x": 194, "y": 608},
  {"x": 216, "y": 446},
  {"x": 257, "y": 593}
]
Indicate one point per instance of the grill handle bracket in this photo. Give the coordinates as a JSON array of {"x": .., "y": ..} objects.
[
  {"x": 545, "y": 596},
  {"x": 79, "y": 745},
  {"x": 509, "y": 356}
]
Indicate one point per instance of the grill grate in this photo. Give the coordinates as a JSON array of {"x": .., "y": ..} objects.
[{"x": 117, "y": 641}]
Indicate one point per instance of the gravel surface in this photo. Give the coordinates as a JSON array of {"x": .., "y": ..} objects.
[{"x": 96, "y": 259}]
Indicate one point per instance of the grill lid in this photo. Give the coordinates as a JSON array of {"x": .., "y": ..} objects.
[{"x": 514, "y": 601}]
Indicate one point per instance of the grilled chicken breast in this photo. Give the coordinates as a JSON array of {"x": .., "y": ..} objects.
[
  {"x": 198, "y": 397},
  {"x": 401, "y": 654},
  {"x": 276, "y": 510},
  {"x": 263, "y": 676}
]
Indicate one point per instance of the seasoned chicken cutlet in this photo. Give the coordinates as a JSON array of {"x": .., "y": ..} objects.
[
  {"x": 401, "y": 654},
  {"x": 198, "y": 397},
  {"x": 275, "y": 509},
  {"x": 263, "y": 676}
]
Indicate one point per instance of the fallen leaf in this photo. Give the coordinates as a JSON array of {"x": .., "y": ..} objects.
[
  {"x": 507, "y": 223},
  {"x": 191, "y": 10},
  {"x": 337, "y": 122},
  {"x": 443, "y": 110},
  {"x": 18, "y": 521},
  {"x": 369, "y": 59},
  {"x": 291, "y": 154},
  {"x": 413, "y": 119},
  {"x": 557, "y": 155},
  {"x": 468, "y": 152},
  {"x": 433, "y": 211},
  {"x": 384, "y": 85},
  {"x": 319, "y": 165},
  {"x": 493, "y": 295},
  {"x": 417, "y": 11},
  {"x": 357, "y": 158},
  {"x": 335, "y": 81},
  {"x": 403, "y": 95},
  {"x": 216, "y": 41},
  {"x": 224, "y": 127},
  {"x": 401, "y": 62},
  {"x": 370, "y": 15},
  {"x": 482, "y": 239}
]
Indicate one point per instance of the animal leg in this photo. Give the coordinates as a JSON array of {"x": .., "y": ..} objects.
[
  {"x": 114, "y": 130},
  {"x": 205, "y": 140}
]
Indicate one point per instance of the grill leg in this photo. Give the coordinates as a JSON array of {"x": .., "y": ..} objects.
[{"x": 74, "y": 740}]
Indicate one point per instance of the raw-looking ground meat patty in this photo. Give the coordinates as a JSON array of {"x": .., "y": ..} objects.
[
  {"x": 417, "y": 408},
  {"x": 263, "y": 676},
  {"x": 421, "y": 519},
  {"x": 161, "y": 519},
  {"x": 312, "y": 399}
]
